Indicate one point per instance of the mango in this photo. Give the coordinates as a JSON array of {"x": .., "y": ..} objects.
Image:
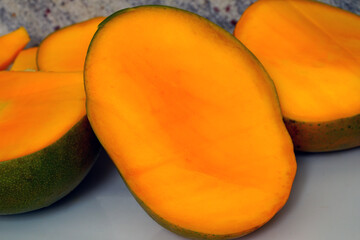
[
  {"x": 179, "y": 105},
  {"x": 312, "y": 52}
]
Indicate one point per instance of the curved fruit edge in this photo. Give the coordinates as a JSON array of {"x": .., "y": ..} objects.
[
  {"x": 41, "y": 178},
  {"x": 4, "y": 65},
  {"x": 55, "y": 32}
]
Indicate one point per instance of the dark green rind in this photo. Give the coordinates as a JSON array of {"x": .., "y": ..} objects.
[
  {"x": 40, "y": 179},
  {"x": 328, "y": 136},
  {"x": 161, "y": 221}
]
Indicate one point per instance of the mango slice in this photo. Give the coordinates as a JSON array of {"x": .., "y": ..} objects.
[
  {"x": 26, "y": 60},
  {"x": 11, "y": 44},
  {"x": 179, "y": 105},
  {"x": 312, "y": 52},
  {"x": 46, "y": 144},
  {"x": 65, "y": 50}
]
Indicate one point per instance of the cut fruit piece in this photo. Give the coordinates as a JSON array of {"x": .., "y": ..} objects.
[
  {"x": 46, "y": 145},
  {"x": 26, "y": 60},
  {"x": 65, "y": 50},
  {"x": 191, "y": 120},
  {"x": 312, "y": 52},
  {"x": 11, "y": 44}
]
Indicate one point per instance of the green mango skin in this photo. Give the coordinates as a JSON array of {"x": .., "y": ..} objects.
[
  {"x": 188, "y": 233},
  {"x": 41, "y": 178},
  {"x": 328, "y": 136}
]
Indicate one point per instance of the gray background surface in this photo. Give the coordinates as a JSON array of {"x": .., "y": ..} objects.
[
  {"x": 41, "y": 17},
  {"x": 324, "y": 203}
]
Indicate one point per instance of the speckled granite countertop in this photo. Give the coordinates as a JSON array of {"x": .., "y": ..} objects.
[{"x": 40, "y": 17}]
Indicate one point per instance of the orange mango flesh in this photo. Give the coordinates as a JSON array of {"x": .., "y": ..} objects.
[
  {"x": 184, "y": 105},
  {"x": 26, "y": 60},
  {"x": 65, "y": 50},
  {"x": 11, "y": 44},
  {"x": 311, "y": 51},
  {"x": 36, "y": 109}
]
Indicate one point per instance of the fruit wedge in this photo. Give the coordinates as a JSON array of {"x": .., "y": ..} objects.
[
  {"x": 191, "y": 120},
  {"x": 11, "y": 44},
  {"x": 312, "y": 52},
  {"x": 46, "y": 144},
  {"x": 65, "y": 50},
  {"x": 26, "y": 60}
]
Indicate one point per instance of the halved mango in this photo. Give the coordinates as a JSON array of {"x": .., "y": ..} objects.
[
  {"x": 191, "y": 120},
  {"x": 65, "y": 50},
  {"x": 46, "y": 144},
  {"x": 312, "y": 52},
  {"x": 26, "y": 60},
  {"x": 11, "y": 44}
]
